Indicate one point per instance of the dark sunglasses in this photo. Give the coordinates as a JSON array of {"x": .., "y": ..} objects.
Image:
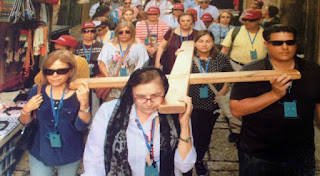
[
  {"x": 61, "y": 71},
  {"x": 101, "y": 28},
  {"x": 126, "y": 31},
  {"x": 280, "y": 43},
  {"x": 127, "y": 3},
  {"x": 87, "y": 31},
  {"x": 253, "y": 20}
]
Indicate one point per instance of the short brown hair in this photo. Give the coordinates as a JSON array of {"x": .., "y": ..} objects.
[
  {"x": 63, "y": 56},
  {"x": 186, "y": 14},
  {"x": 225, "y": 11}
]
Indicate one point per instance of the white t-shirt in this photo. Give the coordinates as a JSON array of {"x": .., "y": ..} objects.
[
  {"x": 171, "y": 21},
  {"x": 164, "y": 6},
  {"x": 213, "y": 10}
]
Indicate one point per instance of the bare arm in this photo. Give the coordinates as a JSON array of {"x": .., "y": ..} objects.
[
  {"x": 225, "y": 50},
  {"x": 247, "y": 106},
  {"x": 83, "y": 97},
  {"x": 103, "y": 69},
  {"x": 161, "y": 48},
  {"x": 31, "y": 105}
]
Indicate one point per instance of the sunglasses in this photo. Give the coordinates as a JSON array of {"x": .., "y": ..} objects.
[
  {"x": 88, "y": 30},
  {"x": 127, "y": 3},
  {"x": 122, "y": 32},
  {"x": 253, "y": 20},
  {"x": 101, "y": 28},
  {"x": 280, "y": 43},
  {"x": 61, "y": 71}
]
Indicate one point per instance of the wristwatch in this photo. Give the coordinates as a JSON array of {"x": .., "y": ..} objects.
[
  {"x": 86, "y": 110},
  {"x": 187, "y": 140}
]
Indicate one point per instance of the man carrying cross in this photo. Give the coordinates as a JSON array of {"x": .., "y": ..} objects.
[{"x": 277, "y": 135}]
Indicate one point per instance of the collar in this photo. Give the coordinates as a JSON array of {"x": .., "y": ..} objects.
[{"x": 269, "y": 67}]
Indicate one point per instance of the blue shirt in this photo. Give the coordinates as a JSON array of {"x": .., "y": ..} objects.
[{"x": 70, "y": 128}]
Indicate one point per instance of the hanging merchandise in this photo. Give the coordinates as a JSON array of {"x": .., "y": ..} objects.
[
  {"x": 29, "y": 59},
  {"x": 22, "y": 9}
]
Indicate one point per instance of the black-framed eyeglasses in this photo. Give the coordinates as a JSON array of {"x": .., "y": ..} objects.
[
  {"x": 280, "y": 42},
  {"x": 154, "y": 99},
  {"x": 61, "y": 71},
  {"x": 250, "y": 20},
  {"x": 88, "y": 30},
  {"x": 122, "y": 32}
]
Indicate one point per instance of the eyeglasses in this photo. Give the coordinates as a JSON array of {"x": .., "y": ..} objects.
[
  {"x": 280, "y": 42},
  {"x": 101, "y": 28},
  {"x": 126, "y": 3},
  {"x": 155, "y": 99},
  {"x": 252, "y": 20},
  {"x": 61, "y": 71},
  {"x": 88, "y": 30},
  {"x": 126, "y": 31}
]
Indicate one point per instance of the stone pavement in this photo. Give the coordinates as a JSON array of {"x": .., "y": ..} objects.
[{"x": 221, "y": 159}]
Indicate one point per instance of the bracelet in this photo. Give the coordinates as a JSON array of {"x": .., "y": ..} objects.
[
  {"x": 85, "y": 110},
  {"x": 187, "y": 140}
]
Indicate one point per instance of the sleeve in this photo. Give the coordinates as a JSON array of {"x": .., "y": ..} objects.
[
  {"x": 103, "y": 54},
  {"x": 80, "y": 124},
  {"x": 32, "y": 92},
  {"x": 188, "y": 163},
  {"x": 215, "y": 12},
  {"x": 93, "y": 159},
  {"x": 139, "y": 26},
  {"x": 228, "y": 40},
  {"x": 92, "y": 10},
  {"x": 227, "y": 67},
  {"x": 167, "y": 35},
  {"x": 143, "y": 56}
]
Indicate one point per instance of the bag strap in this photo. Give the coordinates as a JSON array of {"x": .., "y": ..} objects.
[
  {"x": 215, "y": 91},
  {"x": 39, "y": 88},
  {"x": 122, "y": 59}
]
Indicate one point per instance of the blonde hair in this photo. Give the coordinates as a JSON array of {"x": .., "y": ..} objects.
[
  {"x": 127, "y": 9},
  {"x": 225, "y": 11},
  {"x": 122, "y": 25},
  {"x": 64, "y": 56}
]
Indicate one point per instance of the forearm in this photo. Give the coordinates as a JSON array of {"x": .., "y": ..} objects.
[
  {"x": 158, "y": 57},
  {"x": 184, "y": 147},
  {"x": 25, "y": 117},
  {"x": 224, "y": 89},
  {"x": 84, "y": 116},
  {"x": 225, "y": 50},
  {"x": 247, "y": 106}
]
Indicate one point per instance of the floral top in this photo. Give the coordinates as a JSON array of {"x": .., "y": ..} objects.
[{"x": 111, "y": 56}]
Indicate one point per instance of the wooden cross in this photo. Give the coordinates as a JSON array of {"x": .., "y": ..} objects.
[{"x": 180, "y": 78}]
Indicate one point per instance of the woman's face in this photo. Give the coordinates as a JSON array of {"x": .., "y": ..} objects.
[
  {"x": 124, "y": 34},
  {"x": 204, "y": 4},
  {"x": 225, "y": 18},
  {"x": 186, "y": 22},
  {"x": 153, "y": 91},
  {"x": 177, "y": 12},
  {"x": 204, "y": 44},
  {"x": 60, "y": 75},
  {"x": 128, "y": 16}
]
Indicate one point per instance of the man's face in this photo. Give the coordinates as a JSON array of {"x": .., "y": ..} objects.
[
  {"x": 153, "y": 17},
  {"x": 252, "y": 24},
  {"x": 280, "y": 51},
  {"x": 126, "y": 3},
  {"x": 88, "y": 34},
  {"x": 204, "y": 4}
]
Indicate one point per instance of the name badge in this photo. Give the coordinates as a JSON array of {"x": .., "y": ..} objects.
[
  {"x": 290, "y": 110},
  {"x": 123, "y": 72},
  {"x": 151, "y": 170},
  {"x": 146, "y": 41},
  {"x": 204, "y": 92},
  {"x": 55, "y": 139},
  {"x": 253, "y": 54},
  {"x": 154, "y": 39}
]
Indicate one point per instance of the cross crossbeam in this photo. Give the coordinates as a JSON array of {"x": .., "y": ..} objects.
[{"x": 180, "y": 78}]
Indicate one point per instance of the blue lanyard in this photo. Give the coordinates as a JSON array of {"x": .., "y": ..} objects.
[
  {"x": 149, "y": 146},
  {"x": 181, "y": 38},
  {"x": 56, "y": 110},
  {"x": 207, "y": 65},
  {"x": 88, "y": 57},
  {"x": 122, "y": 53},
  {"x": 289, "y": 88},
  {"x": 111, "y": 36},
  {"x": 149, "y": 31},
  {"x": 252, "y": 41}
]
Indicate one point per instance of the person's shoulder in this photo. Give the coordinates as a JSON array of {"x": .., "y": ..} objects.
[
  {"x": 137, "y": 46},
  {"x": 80, "y": 59},
  {"x": 307, "y": 64},
  {"x": 213, "y": 7},
  {"x": 255, "y": 65},
  {"x": 221, "y": 55},
  {"x": 98, "y": 44}
]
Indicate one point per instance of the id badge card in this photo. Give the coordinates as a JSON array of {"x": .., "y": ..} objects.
[
  {"x": 253, "y": 54},
  {"x": 151, "y": 170},
  {"x": 55, "y": 139},
  {"x": 146, "y": 41},
  {"x": 154, "y": 39},
  {"x": 290, "y": 110},
  {"x": 204, "y": 92},
  {"x": 123, "y": 71}
]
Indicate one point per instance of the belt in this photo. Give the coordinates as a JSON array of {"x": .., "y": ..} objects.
[{"x": 239, "y": 63}]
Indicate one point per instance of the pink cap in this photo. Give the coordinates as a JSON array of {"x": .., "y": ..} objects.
[
  {"x": 66, "y": 40},
  {"x": 206, "y": 17},
  {"x": 88, "y": 24},
  {"x": 252, "y": 14}
]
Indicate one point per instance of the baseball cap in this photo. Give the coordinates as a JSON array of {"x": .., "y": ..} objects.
[
  {"x": 206, "y": 17},
  {"x": 153, "y": 10},
  {"x": 252, "y": 14},
  {"x": 66, "y": 40},
  {"x": 88, "y": 24},
  {"x": 194, "y": 13},
  {"x": 178, "y": 6}
]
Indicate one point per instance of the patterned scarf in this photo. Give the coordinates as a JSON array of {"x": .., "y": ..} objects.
[{"x": 116, "y": 149}]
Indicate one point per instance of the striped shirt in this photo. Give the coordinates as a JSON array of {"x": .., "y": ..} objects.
[{"x": 159, "y": 29}]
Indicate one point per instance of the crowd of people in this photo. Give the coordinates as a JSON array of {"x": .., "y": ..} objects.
[{"x": 272, "y": 122}]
